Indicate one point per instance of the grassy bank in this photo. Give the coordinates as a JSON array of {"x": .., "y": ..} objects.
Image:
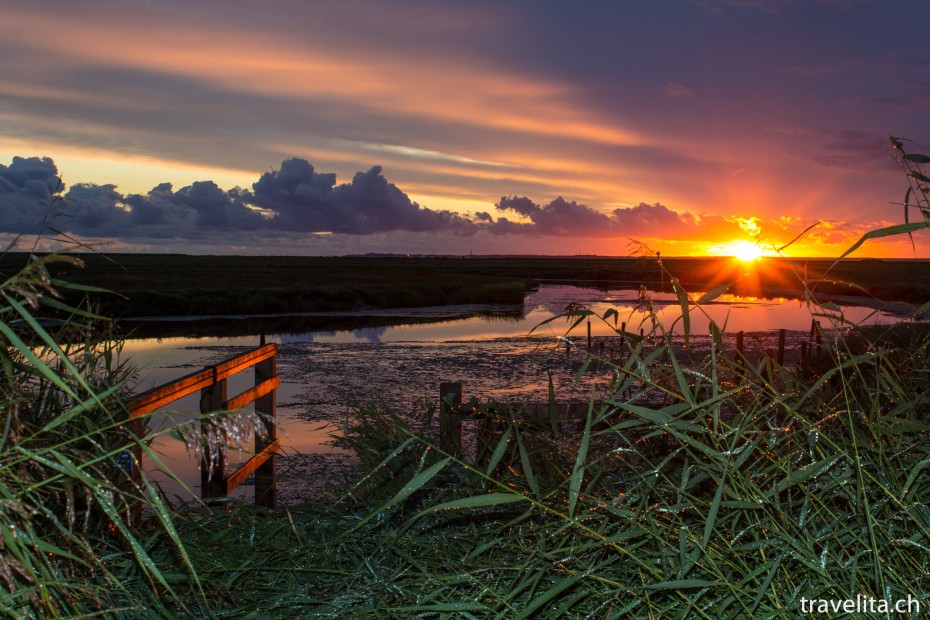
[{"x": 164, "y": 285}]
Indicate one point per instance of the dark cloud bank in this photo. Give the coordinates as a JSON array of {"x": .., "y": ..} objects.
[{"x": 294, "y": 199}]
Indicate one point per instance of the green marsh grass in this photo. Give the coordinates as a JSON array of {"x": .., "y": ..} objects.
[{"x": 75, "y": 530}]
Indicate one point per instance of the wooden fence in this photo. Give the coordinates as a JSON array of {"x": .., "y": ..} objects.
[
  {"x": 211, "y": 382},
  {"x": 452, "y": 415}
]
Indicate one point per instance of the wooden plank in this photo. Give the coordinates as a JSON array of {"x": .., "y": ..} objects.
[
  {"x": 249, "y": 467},
  {"x": 253, "y": 394},
  {"x": 265, "y": 483},
  {"x": 246, "y": 360},
  {"x": 168, "y": 393},
  {"x": 212, "y": 478}
]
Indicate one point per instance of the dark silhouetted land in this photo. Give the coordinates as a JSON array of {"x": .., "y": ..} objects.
[{"x": 163, "y": 285}]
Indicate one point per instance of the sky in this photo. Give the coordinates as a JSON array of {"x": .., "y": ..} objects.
[{"x": 534, "y": 127}]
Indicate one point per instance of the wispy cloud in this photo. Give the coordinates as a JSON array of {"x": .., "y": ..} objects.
[
  {"x": 410, "y": 151},
  {"x": 676, "y": 90}
]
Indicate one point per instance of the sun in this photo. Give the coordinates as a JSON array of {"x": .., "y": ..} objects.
[{"x": 746, "y": 251}]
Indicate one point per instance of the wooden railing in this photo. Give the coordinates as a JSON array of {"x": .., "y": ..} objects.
[{"x": 211, "y": 382}]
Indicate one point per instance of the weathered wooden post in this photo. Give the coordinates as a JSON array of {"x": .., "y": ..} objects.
[
  {"x": 819, "y": 340},
  {"x": 739, "y": 343},
  {"x": 450, "y": 426},
  {"x": 589, "y": 334},
  {"x": 781, "y": 348},
  {"x": 212, "y": 466},
  {"x": 265, "y": 406}
]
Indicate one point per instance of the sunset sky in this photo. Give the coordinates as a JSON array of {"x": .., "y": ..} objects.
[{"x": 295, "y": 127}]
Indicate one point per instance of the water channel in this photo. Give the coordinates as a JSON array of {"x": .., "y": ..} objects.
[{"x": 497, "y": 352}]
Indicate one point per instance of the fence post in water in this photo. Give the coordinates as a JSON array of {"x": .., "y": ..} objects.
[
  {"x": 450, "y": 426},
  {"x": 589, "y": 334},
  {"x": 781, "y": 348},
  {"x": 739, "y": 343},
  {"x": 213, "y": 463},
  {"x": 819, "y": 340},
  {"x": 265, "y": 407}
]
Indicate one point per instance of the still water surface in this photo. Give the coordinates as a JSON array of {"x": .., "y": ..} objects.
[{"x": 402, "y": 365}]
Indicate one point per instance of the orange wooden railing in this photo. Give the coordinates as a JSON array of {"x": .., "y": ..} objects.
[{"x": 211, "y": 382}]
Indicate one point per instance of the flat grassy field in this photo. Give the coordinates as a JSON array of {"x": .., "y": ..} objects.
[{"x": 172, "y": 284}]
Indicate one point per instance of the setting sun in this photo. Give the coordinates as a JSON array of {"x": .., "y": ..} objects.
[{"x": 746, "y": 251}]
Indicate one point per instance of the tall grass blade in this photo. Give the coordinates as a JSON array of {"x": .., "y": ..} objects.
[
  {"x": 408, "y": 489},
  {"x": 578, "y": 470},
  {"x": 474, "y": 501},
  {"x": 499, "y": 450},
  {"x": 888, "y": 231},
  {"x": 550, "y": 594}
]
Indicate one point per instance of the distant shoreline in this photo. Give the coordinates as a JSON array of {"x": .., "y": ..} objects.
[{"x": 158, "y": 285}]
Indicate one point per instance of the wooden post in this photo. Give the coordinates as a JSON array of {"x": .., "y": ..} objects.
[
  {"x": 212, "y": 478},
  {"x": 622, "y": 333},
  {"x": 781, "y": 348},
  {"x": 589, "y": 334},
  {"x": 450, "y": 426},
  {"x": 739, "y": 343},
  {"x": 819, "y": 340},
  {"x": 265, "y": 406},
  {"x": 803, "y": 352}
]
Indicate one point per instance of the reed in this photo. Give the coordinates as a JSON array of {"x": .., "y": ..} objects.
[{"x": 72, "y": 543}]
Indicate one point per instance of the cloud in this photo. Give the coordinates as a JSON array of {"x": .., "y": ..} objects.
[
  {"x": 915, "y": 101},
  {"x": 564, "y": 218},
  {"x": 294, "y": 198},
  {"x": 765, "y": 6},
  {"x": 26, "y": 188},
  {"x": 854, "y": 149},
  {"x": 296, "y": 204},
  {"x": 305, "y": 200},
  {"x": 676, "y": 90},
  {"x": 559, "y": 217}
]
